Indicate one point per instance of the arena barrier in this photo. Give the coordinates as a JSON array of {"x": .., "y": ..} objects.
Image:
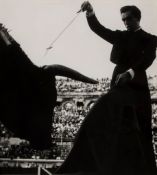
[
  {"x": 45, "y": 170},
  {"x": 40, "y": 164}
]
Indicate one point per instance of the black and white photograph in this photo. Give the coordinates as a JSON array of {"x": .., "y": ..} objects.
[{"x": 78, "y": 87}]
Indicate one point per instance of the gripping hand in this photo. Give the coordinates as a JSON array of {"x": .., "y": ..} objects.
[
  {"x": 86, "y": 6},
  {"x": 123, "y": 78}
]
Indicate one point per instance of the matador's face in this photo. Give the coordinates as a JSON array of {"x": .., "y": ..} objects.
[{"x": 130, "y": 21}]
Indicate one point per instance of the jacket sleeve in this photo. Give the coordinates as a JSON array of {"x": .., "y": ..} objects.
[
  {"x": 147, "y": 56},
  {"x": 105, "y": 33}
]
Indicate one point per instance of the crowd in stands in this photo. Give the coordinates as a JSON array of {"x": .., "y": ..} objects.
[
  {"x": 24, "y": 151},
  {"x": 154, "y": 116},
  {"x": 67, "y": 120},
  {"x": 69, "y": 85}
]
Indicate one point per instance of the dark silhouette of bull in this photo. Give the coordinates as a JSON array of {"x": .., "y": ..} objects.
[{"x": 28, "y": 93}]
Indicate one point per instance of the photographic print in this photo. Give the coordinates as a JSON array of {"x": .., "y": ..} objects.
[{"x": 78, "y": 87}]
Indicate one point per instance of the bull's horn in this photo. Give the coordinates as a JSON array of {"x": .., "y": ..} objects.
[{"x": 59, "y": 70}]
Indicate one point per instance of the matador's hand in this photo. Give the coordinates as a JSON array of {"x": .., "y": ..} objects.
[
  {"x": 86, "y": 6},
  {"x": 123, "y": 78}
]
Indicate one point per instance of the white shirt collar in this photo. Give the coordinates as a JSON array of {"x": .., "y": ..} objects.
[{"x": 137, "y": 29}]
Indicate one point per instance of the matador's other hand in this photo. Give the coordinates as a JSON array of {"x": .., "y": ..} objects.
[
  {"x": 86, "y": 6},
  {"x": 123, "y": 78}
]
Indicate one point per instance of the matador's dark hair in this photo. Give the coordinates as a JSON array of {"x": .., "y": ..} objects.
[{"x": 133, "y": 9}]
